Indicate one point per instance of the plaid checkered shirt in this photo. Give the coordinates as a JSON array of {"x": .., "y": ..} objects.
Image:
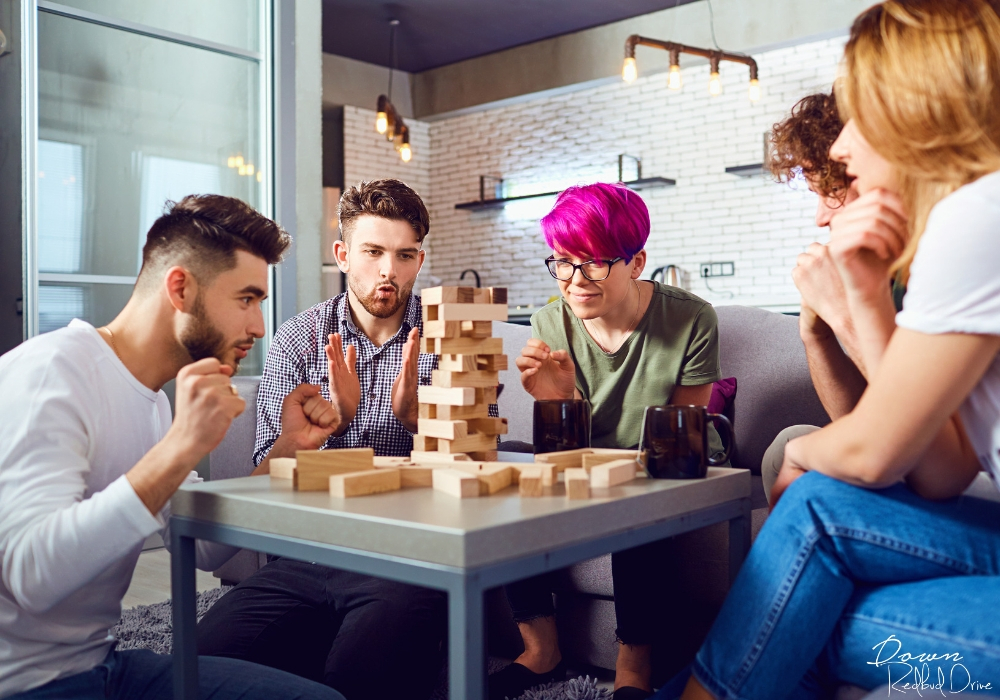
[{"x": 297, "y": 356}]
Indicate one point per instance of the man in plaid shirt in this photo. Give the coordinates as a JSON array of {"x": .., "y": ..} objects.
[{"x": 366, "y": 637}]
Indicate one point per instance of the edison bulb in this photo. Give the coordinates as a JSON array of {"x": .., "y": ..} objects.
[
  {"x": 405, "y": 154},
  {"x": 381, "y": 122},
  {"x": 715, "y": 84},
  {"x": 629, "y": 70},
  {"x": 674, "y": 82},
  {"x": 754, "y": 90}
]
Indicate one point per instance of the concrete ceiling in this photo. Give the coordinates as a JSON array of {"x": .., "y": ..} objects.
[{"x": 434, "y": 33}]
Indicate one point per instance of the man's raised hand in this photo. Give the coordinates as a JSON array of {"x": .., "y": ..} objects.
[
  {"x": 824, "y": 302},
  {"x": 205, "y": 406},
  {"x": 404, "y": 388},
  {"x": 545, "y": 373},
  {"x": 345, "y": 389}
]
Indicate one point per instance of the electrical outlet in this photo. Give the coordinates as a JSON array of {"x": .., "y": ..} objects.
[{"x": 717, "y": 269}]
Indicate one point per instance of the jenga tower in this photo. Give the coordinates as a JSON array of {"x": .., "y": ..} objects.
[{"x": 454, "y": 410}]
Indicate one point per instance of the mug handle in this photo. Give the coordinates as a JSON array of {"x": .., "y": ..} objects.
[
  {"x": 728, "y": 443},
  {"x": 642, "y": 438}
]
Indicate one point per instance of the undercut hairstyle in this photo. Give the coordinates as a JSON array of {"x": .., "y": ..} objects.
[
  {"x": 202, "y": 233},
  {"x": 802, "y": 143},
  {"x": 387, "y": 199},
  {"x": 600, "y": 222}
]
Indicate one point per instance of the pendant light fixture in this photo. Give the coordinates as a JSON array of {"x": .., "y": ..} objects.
[
  {"x": 715, "y": 56},
  {"x": 388, "y": 121}
]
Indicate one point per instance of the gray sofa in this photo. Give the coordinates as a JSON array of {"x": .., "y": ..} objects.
[{"x": 761, "y": 349}]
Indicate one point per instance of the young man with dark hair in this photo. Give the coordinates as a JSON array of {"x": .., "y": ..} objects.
[
  {"x": 89, "y": 458},
  {"x": 801, "y": 144},
  {"x": 369, "y": 638}
]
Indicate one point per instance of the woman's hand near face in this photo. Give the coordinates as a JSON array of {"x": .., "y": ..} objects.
[
  {"x": 546, "y": 373},
  {"x": 865, "y": 238}
]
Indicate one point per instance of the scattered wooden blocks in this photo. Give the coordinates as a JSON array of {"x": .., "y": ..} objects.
[
  {"x": 605, "y": 456},
  {"x": 564, "y": 460},
  {"x": 364, "y": 483},
  {"x": 415, "y": 476},
  {"x": 577, "y": 483},
  {"x": 455, "y": 483},
  {"x": 313, "y": 468},
  {"x": 386, "y": 462},
  {"x": 530, "y": 482},
  {"x": 425, "y": 457},
  {"x": 612, "y": 473},
  {"x": 282, "y": 468}
]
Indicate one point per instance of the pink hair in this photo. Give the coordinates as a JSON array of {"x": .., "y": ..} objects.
[{"x": 600, "y": 221}]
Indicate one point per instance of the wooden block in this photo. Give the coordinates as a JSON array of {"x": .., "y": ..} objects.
[
  {"x": 443, "y": 378},
  {"x": 282, "y": 468},
  {"x": 364, "y": 483},
  {"x": 530, "y": 482},
  {"x": 390, "y": 462},
  {"x": 550, "y": 474},
  {"x": 490, "y": 363},
  {"x": 419, "y": 457},
  {"x": 462, "y": 346},
  {"x": 452, "y": 396},
  {"x": 592, "y": 460},
  {"x": 488, "y": 426},
  {"x": 498, "y": 295},
  {"x": 427, "y": 410},
  {"x": 455, "y": 483},
  {"x": 481, "y": 295},
  {"x": 469, "y": 443},
  {"x": 444, "y": 412},
  {"x": 413, "y": 476},
  {"x": 433, "y": 296},
  {"x": 313, "y": 468},
  {"x": 447, "y": 429},
  {"x": 425, "y": 443},
  {"x": 459, "y": 363},
  {"x": 442, "y": 329},
  {"x": 492, "y": 477},
  {"x": 566, "y": 459},
  {"x": 487, "y": 456},
  {"x": 486, "y": 395},
  {"x": 476, "y": 329},
  {"x": 612, "y": 473},
  {"x": 468, "y": 312},
  {"x": 577, "y": 483}
]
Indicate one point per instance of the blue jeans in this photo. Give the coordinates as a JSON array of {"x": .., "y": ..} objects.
[
  {"x": 128, "y": 675},
  {"x": 849, "y": 585}
]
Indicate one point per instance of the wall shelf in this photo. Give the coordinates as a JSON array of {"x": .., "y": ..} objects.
[
  {"x": 645, "y": 183},
  {"x": 753, "y": 170}
]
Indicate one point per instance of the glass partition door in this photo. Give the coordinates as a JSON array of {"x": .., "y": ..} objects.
[{"x": 131, "y": 116}]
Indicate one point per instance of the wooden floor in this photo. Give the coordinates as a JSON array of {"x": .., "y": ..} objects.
[{"x": 151, "y": 580}]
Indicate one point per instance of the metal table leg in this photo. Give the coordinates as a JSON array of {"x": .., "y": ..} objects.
[
  {"x": 182, "y": 590},
  {"x": 739, "y": 539},
  {"x": 466, "y": 651}
]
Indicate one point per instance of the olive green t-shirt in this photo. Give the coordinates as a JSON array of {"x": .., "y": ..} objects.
[{"x": 675, "y": 343}]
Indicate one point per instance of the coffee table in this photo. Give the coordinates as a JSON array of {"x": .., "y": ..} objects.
[{"x": 428, "y": 538}]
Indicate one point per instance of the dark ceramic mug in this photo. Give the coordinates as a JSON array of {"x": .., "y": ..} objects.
[
  {"x": 561, "y": 424},
  {"x": 675, "y": 440}
]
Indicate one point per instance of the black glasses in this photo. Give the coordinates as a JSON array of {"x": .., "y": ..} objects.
[{"x": 594, "y": 270}]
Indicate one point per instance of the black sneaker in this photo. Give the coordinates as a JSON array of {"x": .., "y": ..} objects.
[{"x": 511, "y": 681}]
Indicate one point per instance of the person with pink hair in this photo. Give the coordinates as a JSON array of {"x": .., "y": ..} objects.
[{"x": 623, "y": 344}]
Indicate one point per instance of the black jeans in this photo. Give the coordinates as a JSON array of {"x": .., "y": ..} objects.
[
  {"x": 366, "y": 637},
  {"x": 643, "y": 587}
]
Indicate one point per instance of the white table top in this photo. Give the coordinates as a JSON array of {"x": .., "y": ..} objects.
[{"x": 431, "y": 526}]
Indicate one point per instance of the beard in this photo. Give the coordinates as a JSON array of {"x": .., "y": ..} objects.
[
  {"x": 373, "y": 304},
  {"x": 202, "y": 339}
]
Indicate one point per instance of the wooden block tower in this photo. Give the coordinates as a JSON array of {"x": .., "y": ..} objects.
[{"x": 454, "y": 421}]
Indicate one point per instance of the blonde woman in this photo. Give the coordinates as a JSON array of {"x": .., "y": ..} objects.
[{"x": 873, "y": 569}]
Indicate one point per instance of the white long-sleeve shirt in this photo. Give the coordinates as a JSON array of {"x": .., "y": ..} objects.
[{"x": 73, "y": 421}]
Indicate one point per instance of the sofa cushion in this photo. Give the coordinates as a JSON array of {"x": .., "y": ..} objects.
[{"x": 763, "y": 351}]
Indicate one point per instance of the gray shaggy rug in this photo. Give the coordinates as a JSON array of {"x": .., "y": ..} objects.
[{"x": 149, "y": 627}]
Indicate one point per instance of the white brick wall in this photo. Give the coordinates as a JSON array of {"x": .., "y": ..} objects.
[{"x": 548, "y": 143}]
